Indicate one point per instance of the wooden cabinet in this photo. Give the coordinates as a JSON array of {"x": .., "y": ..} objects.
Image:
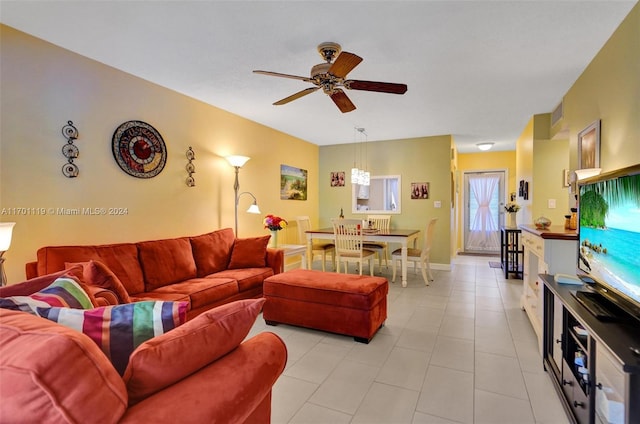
[
  {"x": 545, "y": 252},
  {"x": 594, "y": 370}
]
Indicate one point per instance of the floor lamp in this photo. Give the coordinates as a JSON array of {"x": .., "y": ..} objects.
[
  {"x": 6, "y": 229},
  {"x": 238, "y": 162}
]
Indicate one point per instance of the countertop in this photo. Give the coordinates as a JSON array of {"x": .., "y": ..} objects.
[{"x": 554, "y": 232}]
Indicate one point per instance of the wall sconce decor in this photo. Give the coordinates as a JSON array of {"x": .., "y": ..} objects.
[
  {"x": 191, "y": 169},
  {"x": 70, "y": 150},
  {"x": 6, "y": 230},
  {"x": 238, "y": 162}
]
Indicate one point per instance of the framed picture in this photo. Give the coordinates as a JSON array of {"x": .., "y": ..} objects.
[
  {"x": 589, "y": 146},
  {"x": 419, "y": 190},
  {"x": 293, "y": 183},
  {"x": 337, "y": 179}
]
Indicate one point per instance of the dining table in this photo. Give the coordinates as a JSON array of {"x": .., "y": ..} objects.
[{"x": 400, "y": 236}]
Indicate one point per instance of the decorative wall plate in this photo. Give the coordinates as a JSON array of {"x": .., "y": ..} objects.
[{"x": 139, "y": 149}]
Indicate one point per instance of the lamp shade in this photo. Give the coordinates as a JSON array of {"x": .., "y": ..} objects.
[
  {"x": 253, "y": 208},
  {"x": 237, "y": 160},
  {"x": 355, "y": 172},
  {"x": 581, "y": 174},
  {"x": 6, "y": 230}
]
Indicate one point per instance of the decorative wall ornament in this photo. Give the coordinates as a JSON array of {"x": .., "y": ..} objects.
[
  {"x": 70, "y": 150},
  {"x": 293, "y": 183},
  {"x": 337, "y": 179},
  {"x": 191, "y": 169},
  {"x": 420, "y": 190},
  {"x": 589, "y": 146},
  {"x": 139, "y": 149}
]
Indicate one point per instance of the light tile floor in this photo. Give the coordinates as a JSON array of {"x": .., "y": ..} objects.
[{"x": 458, "y": 351}]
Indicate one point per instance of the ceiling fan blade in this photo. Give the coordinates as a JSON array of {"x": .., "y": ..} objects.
[
  {"x": 342, "y": 101},
  {"x": 277, "y": 74},
  {"x": 344, "y": 63},
  {"x": 384, "y": 87},
  {"x": 296, "y": 96}
]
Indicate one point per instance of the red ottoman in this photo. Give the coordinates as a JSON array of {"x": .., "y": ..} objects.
[{"x": 348, "y": 304}]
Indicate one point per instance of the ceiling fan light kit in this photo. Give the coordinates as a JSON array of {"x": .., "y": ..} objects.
[{"x": 330, "y": 77}]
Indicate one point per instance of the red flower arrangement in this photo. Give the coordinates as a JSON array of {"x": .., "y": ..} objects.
[{"x": 274, "y": 223}]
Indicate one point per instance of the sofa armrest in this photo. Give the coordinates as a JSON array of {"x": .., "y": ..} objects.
[
  {"x": 275, "y": 259},
  {"x": 228, "y": 390},
  {"x": 31, "y": 269}
]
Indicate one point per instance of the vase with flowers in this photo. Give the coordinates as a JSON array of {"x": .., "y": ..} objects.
[
  {"x": 274, "y": 224},
  {"x": 511, "y": 208}
]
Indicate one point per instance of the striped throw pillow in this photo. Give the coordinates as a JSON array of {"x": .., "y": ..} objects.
[
  {"x": 63, "y": 292},
  {"x": 118, "y": 330}
]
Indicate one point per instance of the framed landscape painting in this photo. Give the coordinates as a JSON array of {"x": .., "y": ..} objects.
[{"x": 293, "y": 183}]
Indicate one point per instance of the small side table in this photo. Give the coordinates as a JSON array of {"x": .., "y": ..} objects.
[
  {"x": 511, "y": 251},
  {"x": 295, "y": 250}
]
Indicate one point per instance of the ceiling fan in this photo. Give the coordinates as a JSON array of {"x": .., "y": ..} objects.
[{"x": 331, "y": 76}]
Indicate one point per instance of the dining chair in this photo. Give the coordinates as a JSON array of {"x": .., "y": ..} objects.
[
  {"x": 319, "y": 248},
  {"x": 416, "y": 256},
  {"x": 349, "y": 247},
  {"x": 382, "y": 223}
]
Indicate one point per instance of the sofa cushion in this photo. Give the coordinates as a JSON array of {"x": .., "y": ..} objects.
[
  {"x": 249, "y": 253},
  {"x": 119, "y": 329},
  {"x": 202, "y": 291},
  {"x": 40, "y": 362},
  {"x": 121, "y": 259},
  {"x": 65, "y": 291},
  {"x": 166, "y": 262},
  {"x": 38, "y": 283},
  {"x": 247, "y": 278},
  {"x": 212, "y": 251},
  {"x": 95, "y": 273},
  {"x": 189, "y": 348}
]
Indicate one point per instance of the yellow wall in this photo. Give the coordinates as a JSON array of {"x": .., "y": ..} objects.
[
  {"x": 425, "y": 159},
  {"x": 44, "y": 86},
  {"x": 609, "y": 90},
  {"x": 524, "y": 166},
  {"x": 485, "y": 161}
]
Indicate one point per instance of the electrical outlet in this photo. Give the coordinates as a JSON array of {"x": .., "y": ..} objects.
[
  {"x": 437, "y": 204},
  {"x": 551, "y": 203}
]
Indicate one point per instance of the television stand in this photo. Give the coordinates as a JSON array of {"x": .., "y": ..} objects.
[{"x": 592, "y": 362}]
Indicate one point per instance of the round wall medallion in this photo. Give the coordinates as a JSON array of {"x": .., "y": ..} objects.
[{"x": 139, "y": 149}]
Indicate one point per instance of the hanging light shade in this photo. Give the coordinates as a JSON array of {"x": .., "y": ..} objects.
[
  {"x": 366, "y": 178},
  {"x": 354, "y": 175}
]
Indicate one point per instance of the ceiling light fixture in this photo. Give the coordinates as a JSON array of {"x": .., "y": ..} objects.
[
  {"x": 484, "y": 146},
  {"x": 359, "y": 176}
]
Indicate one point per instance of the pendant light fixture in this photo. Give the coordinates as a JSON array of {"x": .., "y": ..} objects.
[{"x": 359, "y": 176}]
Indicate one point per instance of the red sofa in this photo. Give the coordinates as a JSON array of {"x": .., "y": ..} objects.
[
  {"x": 206, "y": 270},
  {"x": 203, "y": 371}
]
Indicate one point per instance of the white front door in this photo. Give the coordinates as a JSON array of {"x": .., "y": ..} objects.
[{"x": 483, "y": 211}]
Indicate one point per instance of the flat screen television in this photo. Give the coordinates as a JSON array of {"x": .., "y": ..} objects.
[{"x": 609, "y": 236}]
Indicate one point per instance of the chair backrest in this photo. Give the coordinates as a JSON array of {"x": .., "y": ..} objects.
[
  {"x": 348, "y": 236},
  {"x": 304, "y": 224},
  {"x": 380, "y": 222},
  {"x": 428, "y": 238}
]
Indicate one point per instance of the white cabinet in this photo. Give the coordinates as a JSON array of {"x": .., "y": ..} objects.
[
  {"x": 548, "y": 251},
  {"x": 610, "y": 388}
]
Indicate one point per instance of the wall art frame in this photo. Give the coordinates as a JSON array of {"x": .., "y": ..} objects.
[
  {"x": 589, "y": 146},
  {"x": 420, "y": 190},
  {"x": 337, "y": 179},
  {"x": 293, "y": 183}
]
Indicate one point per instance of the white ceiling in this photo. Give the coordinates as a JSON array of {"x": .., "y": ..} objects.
[{"x": 475, "y": 69}]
